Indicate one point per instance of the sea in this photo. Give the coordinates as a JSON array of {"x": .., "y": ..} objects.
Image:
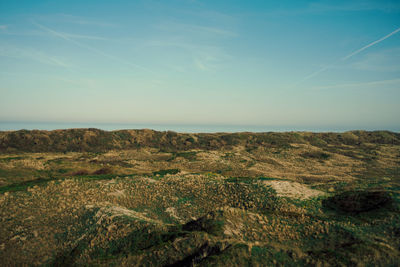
[{"x": 183, "y": 128}]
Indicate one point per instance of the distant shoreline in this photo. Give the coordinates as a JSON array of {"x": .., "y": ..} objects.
[
  {"x": 200, "y": 132},
  {"x": 95, "y": 140},
  {"x": 185, "y": 128}
]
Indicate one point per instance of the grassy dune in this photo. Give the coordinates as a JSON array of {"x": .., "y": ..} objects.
[{"x": 147, "y": 198}]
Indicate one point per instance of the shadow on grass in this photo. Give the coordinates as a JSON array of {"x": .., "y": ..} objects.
[{"x": 22, "y": 186}]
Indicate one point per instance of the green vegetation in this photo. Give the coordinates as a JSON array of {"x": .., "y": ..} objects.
[
  {"x": 232, "y": 216},
  {"x": 22, "y": 186},
  {"x": 7, "y": 159},
  {"x": 316, "y": 155},
  {"x": 247, "y": 180},
  {"x": 103, "y": 177},
  {"x": 86, "y": 197},
  {"x": 100, "y": 141},
  {"x": 165, "y": 172},
  {"x": 189, "y": 155}
]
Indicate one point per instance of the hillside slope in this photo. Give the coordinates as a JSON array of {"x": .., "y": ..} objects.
[
  {"x": 95, "y": 140},
  {"x": 146, "y": 198}
]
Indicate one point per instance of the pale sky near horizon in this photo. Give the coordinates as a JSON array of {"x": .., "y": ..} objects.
[{"x": 281, "y": 63}]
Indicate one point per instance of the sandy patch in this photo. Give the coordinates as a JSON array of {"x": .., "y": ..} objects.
[
  {"x": 293, "y": 189},
  {"x": 173, "y": 213},
  {"x": 112, "y": 211},
  {"x": 117, "y": 193},
  {"x": 150, "y": 180}
]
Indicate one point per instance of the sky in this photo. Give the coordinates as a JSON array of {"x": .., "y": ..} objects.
[{"x": 313, "y": 64}]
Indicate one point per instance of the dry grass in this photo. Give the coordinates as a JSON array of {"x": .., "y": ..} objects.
[
  {"x": 98, "y": 216},
  {"x": 127, "y": 207}
]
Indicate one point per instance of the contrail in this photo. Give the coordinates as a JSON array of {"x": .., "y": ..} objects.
[
  {"x": 369, "y": 45},
  {"x": 316, "y": 73},
  {"x": 324, "y": 68},
  {"x": 65, "y": 37}
]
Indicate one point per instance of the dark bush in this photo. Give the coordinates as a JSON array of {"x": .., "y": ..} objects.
[
  {"x": 105, "y": 170},
  {"x": 358, "y": 201},
  {"x": 80, "y": 172},
  {"x": 316, "y": 155}
]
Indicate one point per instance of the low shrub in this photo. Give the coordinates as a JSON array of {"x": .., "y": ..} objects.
[
  {"x": 358, "y": 201},
  {"x": 316, "y": 155},
  {"x": 105, "y": 170}
]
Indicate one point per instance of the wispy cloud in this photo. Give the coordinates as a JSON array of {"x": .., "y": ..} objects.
[
  {"x": 95, "y": 50},
  {"x": 86, "y": 21},
  {"x": 199, "y": 11},
  {"x": 196, "y": 29},
  {"x": 3, "y": 27},
  {"x": 320, "y": 7},
  {"x": 206, "y": 62},
  {"x": 73, "y": 19},
  {"x": 360, "y": 84},
  {"x": 387, "y": 60},
  {"x": 200, "y": 43},
  {"x": 31, "y": 54},
  {"x": 41, "y": 34},
  {"x": 83, "y": 36},
  {"x": 212, "y": 30},
  {"x": 326, "y": 67},
  {"x": 203, "y": 57}
]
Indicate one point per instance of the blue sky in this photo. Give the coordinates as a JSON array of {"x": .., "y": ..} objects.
[{"x": 279, "y": 63}]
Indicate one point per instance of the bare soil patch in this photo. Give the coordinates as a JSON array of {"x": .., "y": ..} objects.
[{"x": 293, "y": 189}]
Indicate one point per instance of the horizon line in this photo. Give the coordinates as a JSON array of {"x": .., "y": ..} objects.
[{"x": 189, "y": 128}]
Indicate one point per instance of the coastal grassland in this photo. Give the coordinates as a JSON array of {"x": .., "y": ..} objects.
[
  {"x": 146, "y": 198},
  {"x": 303, "y": 162},
  {"x": 199, "y": 219}
]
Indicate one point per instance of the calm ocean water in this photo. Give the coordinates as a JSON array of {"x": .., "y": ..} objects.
[{"x": 10, "y": 126}]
